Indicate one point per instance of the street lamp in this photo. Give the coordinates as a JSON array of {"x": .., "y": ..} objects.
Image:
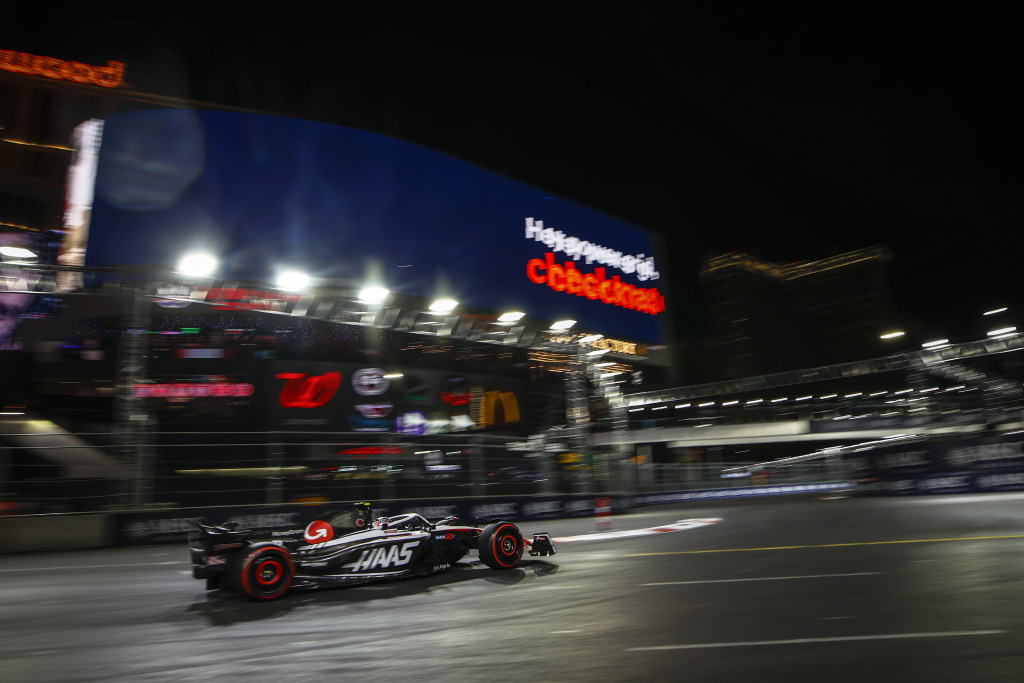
[{"x": 562, "y": 324}]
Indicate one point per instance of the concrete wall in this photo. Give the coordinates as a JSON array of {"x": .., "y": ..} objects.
[{"x": 53, "y": 532}]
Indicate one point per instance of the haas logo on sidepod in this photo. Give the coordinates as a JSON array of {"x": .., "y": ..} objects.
[
  {"x": 382, "y": 558},
  {"x": 318, "y": 532}
]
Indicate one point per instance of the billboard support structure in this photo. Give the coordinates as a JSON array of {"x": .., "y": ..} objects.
[{"x": 130, "y": 410}]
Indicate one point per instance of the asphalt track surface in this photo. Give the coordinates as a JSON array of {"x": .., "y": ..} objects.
[{"x": 834, "y": 589}]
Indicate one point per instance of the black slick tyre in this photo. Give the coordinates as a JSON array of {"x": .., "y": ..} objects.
[
  {"x": 264, "y": 572},
  {"x": 501, "y": 545}
]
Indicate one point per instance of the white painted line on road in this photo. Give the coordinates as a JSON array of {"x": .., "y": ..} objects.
[
  {"x": 829, "y": 545},
  {"x": 577, "y": 630},
  {"x": 762, "y": 578},
  {"x": 92, "y": 566},
  {"x": 681, "y": 525},
  {"x": 808, "y": 641}
]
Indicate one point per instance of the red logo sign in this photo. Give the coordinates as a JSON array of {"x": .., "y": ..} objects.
[
  {"x": 308, "y": 391},
  {"x": 318, "y": 532},
  {"x": 457, "y": 398}
]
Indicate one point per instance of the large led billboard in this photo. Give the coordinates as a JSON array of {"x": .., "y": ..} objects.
[{"x": 265, "y": 193}]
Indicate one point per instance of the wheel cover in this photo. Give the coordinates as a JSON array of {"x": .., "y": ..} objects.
[
  {"x": 268, "y": 572},
  {"x": 505, "y": 546}
]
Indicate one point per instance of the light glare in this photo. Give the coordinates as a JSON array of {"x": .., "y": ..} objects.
[
  {"x": 373, "y": 294},
  {"x": 292, "y": 280},
  {"x": 444, "y": 305},
  {"x": 197, "y": 264},
  {"x": 17, "y": 252}
]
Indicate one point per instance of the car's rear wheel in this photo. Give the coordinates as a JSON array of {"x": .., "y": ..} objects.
[
  {"x": 264, "y": 572},
  {"x": 501, "y": 545}
]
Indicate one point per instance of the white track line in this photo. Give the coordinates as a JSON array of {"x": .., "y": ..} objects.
[
  {"x": 681, "y": 525},
  {"x": 92, "y": 566},
  {"x": 807, "y": 641},
  {"x": 763, "y": 578}
]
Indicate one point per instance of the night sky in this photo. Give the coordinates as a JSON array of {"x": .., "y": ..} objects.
[{"x": 788, "y": 130}]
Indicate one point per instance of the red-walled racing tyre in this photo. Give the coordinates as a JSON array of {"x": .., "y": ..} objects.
[
  {"x": 501, "y": 545},
  {"x": 264, "y": 572}
]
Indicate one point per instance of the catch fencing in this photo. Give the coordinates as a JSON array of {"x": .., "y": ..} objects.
[{"x": 87, "y": 472}]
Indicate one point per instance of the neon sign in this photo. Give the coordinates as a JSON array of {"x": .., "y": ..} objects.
[
  {"x": 109, "y": 76},
  {"x": 594, "y": 286},
  {"x": 183, "y": 390}
]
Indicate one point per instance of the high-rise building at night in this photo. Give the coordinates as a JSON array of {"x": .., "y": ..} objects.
[
  {"x": 42, "y": 100},
  {"x": 766, "y": 317}
]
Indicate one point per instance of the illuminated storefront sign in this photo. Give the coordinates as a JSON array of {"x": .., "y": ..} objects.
[
  {"x": 307, "y": 391},
  {"x": 184, "y": 390},
  {"x": 509, "y": 407},
  {"x": 374, "y": 409},
  {"x": 109, "y": 76},
  {"x": 457, "y": 398},
  {"x": 370, "y": 382}
]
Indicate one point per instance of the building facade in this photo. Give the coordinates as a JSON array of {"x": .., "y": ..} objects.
[{"x": 766, "y": 317}]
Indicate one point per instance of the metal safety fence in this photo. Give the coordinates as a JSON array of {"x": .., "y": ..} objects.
[{"x": 86, "y": 472}]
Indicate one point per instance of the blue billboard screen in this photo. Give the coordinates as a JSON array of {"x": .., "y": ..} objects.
[{"x": 264, "y": 192}]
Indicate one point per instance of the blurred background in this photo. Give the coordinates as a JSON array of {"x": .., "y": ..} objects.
[{"x": 807, "y": 222}]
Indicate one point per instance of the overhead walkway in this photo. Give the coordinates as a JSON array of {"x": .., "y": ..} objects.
[
  {"x": 942, "y": 361},
  {"x": 717, "y": 414},
  {"x": 769, "y": 432}
]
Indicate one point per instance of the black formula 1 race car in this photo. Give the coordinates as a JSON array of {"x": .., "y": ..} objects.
[{"x": 347, "y": 548}]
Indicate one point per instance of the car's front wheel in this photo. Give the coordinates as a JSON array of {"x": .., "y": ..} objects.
[
  {"x": 264, "y": 572},
  {"x": 501, "y": 545}
]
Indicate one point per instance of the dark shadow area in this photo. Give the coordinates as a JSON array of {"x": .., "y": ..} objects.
[{"x": 226, "y": 608}]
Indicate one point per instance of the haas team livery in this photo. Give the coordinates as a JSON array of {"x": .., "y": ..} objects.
[{"x": 346, "y": 548}]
